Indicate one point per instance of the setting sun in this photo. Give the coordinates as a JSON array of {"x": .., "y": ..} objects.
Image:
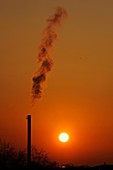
[{"x": 63, "y": 137}]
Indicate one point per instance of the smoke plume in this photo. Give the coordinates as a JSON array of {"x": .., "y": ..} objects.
[{"x": 44, "y": 59}]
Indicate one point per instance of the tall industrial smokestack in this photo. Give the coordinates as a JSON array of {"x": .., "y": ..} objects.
[{"x": 29, "y": 139}]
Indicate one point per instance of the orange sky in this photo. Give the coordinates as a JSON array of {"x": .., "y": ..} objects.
[{"x": 78, "y": 97}]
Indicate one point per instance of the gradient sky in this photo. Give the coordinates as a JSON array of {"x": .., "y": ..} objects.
[{"x": 78, "y": 97}]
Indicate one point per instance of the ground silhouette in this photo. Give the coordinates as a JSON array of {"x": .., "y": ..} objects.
[{"x": 11, "y": 159}]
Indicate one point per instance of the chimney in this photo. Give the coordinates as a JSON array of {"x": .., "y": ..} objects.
[{"x": 29, "y": 140}]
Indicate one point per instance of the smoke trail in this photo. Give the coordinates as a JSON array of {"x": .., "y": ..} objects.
[{"x": 44, "y": 59}]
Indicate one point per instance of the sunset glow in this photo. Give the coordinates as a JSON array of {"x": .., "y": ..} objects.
[
  {"x": 70, "y": 90},
  {"x": 63, "y": 137}
]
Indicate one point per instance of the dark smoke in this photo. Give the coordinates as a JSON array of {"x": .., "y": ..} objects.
[{"x": 44, "y": 59}]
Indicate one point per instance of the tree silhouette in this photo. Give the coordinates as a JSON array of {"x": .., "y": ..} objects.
[
  {"x": 7, "y": 155},
  {"x": 40, "y": 159},
  {"x": 10, "y": 158}
]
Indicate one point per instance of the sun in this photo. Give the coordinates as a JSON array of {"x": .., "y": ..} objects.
[{"x": 63, "y": 137}]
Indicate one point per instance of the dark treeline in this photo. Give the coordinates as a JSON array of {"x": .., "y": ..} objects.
[{"x": 10, "y": 158}]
